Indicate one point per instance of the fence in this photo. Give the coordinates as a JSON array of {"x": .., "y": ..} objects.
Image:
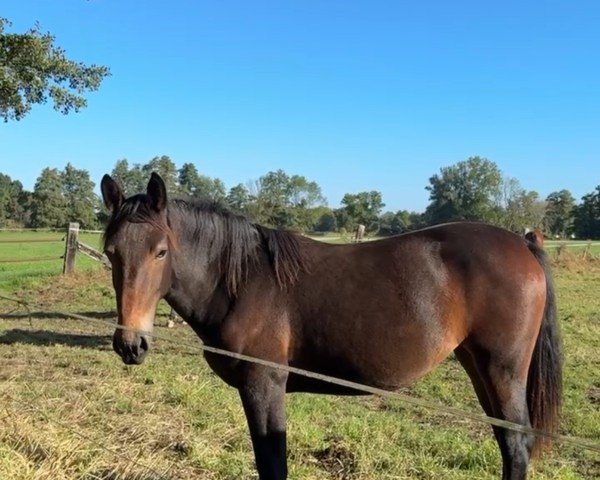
[{"x": 73, "y": 245}]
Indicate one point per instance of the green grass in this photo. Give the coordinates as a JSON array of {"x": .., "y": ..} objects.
[{"x": 60, "y": 376}]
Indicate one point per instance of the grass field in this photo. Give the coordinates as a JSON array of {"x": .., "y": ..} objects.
[{"x": 69, "y": 409}]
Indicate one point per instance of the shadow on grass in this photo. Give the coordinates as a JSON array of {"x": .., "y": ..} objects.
[
  {"x": 12, "y": 315},
  {"x": 49, "y": 338}
]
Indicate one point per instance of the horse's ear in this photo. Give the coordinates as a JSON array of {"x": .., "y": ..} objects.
[
  {"x": 157, "y": 192},
  {"x": 111, "y": 193}
]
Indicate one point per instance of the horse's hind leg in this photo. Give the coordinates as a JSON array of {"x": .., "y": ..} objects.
[{"x": 501, "y": 386}]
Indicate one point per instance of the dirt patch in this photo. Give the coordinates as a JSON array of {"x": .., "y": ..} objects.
[
  {"x": 593, "y": 395},
  {"x": 338, "y": 460}
]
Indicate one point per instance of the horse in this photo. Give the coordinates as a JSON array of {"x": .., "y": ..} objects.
[{"x": 381, "y": 313}]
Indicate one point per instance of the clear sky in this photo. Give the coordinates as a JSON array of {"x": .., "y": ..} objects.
[{"x": 367, "y": 95}]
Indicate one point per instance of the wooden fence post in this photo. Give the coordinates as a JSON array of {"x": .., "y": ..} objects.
[
  {"x": 360, "y": 233},
  {"x": 71, "y": 248}
]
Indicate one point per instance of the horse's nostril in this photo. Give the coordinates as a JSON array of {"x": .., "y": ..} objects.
[
  {"x": 144, "y": 346},
  {"x": 117, "y": 346}
]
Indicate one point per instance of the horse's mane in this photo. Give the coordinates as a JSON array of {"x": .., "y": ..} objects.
[{"x": 212, "y": 227}]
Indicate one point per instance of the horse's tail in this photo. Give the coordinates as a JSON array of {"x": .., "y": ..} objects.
[
  {"x": 536, "y": 237},
  {"x": 544, "y": 383}
]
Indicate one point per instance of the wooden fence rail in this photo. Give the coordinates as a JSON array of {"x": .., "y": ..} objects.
[
  {"x": 73, "y": 245},
  {"x": 93, "y": 253}
]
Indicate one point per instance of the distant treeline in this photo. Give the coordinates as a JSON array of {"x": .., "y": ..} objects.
[{"x": 474, "y": 189}]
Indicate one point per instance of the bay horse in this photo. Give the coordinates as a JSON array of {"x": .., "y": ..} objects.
[{"x": 381, "y": 313}]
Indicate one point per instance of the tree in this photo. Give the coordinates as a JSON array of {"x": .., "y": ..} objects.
[
  {"x": 33, "y": 69},
  {"x": 23, "y": 215},
  {"x": 188, "y": 179},
  {"x": 239, "y": 199},
  {"x": 285, "y": 202},
  {"x": 508, "y": 207},
  {"x": 81, "y": 201},
  {"x": 12, "y": 205},
  {"x": 210, "y": 188},
  {"x": 517, "y": 208},
  {"x": 165, "y": 167},
  {"x": 467, "y": 190},
  {"x": 527, "y": 211},
  {"x": 131, "y": 179},
  {"x": 417, "y": 220},
  {"x": 192, "y": 184},
  {"x": 302, "y": 193},
  {"x": 587, "y": 216},
  {"x": 272, "y": 200},
  {"x": 559, "y": 213},
  {"x": 48, "y": 206},
  {"x": 305, "y": 201},
  {"x": 391, "y": 223},
  {"x": 326, "y": 221},
  {"x": 360, "y": 208}
]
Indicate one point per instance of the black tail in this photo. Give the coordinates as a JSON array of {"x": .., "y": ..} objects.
[{"x": 544, "y": 384}]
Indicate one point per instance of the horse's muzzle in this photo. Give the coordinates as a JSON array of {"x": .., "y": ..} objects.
[{"x": 131, "y": 346}]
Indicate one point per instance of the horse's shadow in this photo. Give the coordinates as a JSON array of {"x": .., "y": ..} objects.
[{"x": 50, "y": 338}]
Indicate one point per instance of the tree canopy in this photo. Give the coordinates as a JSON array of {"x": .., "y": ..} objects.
[
  {"x": 361, "y": 208},
  {"x": 467, "y": 190},
  {"x": 587, "y": 215},
  {"x": 33, "y": 69},
  {"x": 13, "y": 202},
  {"x": 474, "y": 189},
  {"x": 48, "y": 205},
  {"x": 559, "y": 213},
  {"x": 285, "y": 201}
]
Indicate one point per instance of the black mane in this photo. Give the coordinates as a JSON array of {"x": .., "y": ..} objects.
[{"x": 213, "y": 228}]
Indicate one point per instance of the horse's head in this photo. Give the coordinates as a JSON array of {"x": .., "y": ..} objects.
[{"x": 137, "y": 244}]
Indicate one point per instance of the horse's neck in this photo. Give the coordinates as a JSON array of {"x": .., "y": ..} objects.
[
  {"x": 199, "y": 291},
  {"x": 205, "y": 316},
  {"x": 206, "y": 313}
]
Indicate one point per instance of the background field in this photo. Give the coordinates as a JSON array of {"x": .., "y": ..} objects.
[
  {"x": 16, "y": 247},
  {"x": 69, "y": 408}
]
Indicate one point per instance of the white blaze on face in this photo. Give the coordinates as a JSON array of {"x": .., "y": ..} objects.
[{"x": 138, "y": 308}]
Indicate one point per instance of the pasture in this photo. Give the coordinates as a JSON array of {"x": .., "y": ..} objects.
[{"x": 70, "y": 409}]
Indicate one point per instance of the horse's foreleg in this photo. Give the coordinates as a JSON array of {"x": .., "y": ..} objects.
[{"x": 263, "y": 398}]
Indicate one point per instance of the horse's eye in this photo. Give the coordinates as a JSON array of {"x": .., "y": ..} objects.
[{"x": 161, "y": 254}]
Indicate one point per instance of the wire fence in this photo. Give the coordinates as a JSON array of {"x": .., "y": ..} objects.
[
  {"x": 418, "y": 402},
  {"x": 29, "y": 239},
  {"x": 30, "y": 260},
  {"x": 33, "y": 229},
  {"x": 33, "y": 240},
  {"x": 26, "y": 241}
]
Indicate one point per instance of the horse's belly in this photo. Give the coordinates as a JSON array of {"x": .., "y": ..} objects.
[{"x": 389, "y": 363}]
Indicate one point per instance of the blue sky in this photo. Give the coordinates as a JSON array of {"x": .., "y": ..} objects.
[{"x": 355, "y": 95}]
